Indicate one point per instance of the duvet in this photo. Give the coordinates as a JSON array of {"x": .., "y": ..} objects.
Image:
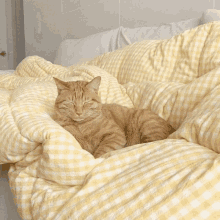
[{"x": 52, "y": 177}]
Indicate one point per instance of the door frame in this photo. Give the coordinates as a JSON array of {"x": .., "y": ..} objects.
[
  {"x": 15, "y": 32},
  {"x": 3, "y": 40}
]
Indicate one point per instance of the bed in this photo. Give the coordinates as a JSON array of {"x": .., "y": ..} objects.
[{"x": 172, "y": 70}]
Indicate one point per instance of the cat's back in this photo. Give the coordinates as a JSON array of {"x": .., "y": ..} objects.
[
  {"x": 138, "y": 123},
  {"x": 119, "y": 114}
]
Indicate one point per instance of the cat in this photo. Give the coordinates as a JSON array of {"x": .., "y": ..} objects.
[{"x": 100, "y": 128}]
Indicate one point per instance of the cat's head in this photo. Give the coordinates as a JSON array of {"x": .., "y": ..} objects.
[{"x": 78, "y": 100}]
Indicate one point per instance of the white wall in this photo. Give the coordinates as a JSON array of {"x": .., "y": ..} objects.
[{"x": 48, "y": 22}]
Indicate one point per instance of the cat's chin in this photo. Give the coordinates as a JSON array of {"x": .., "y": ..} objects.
[
  {"x": 78, "y": 119},
  {"x": 82, "y": 120}
]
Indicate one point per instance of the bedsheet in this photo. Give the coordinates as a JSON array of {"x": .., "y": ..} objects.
[{"x": 178, "y": 178}]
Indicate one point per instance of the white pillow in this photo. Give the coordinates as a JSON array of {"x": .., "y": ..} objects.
[
  {"x": 165, "y": 31},
  {"x": 76, "y": 51},
  {"x": 73, "y": 51},
  {"x": 210, "y": 15},
  {"x": 9, "y": 72}
]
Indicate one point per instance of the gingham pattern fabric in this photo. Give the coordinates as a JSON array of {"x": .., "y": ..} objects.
[
  {"x": 176, "y": 178},
  {"x": 179, "y": 59}
]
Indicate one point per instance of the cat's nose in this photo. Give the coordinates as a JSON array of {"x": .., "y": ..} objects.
[
  {"x": 78, "y": 110},
  {"x": 79, "y": 113}
]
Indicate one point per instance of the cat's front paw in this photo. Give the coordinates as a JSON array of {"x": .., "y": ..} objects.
[{"x": 98, "y": 154}]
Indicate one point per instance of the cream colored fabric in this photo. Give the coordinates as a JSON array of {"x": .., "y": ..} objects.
[{"x": 176, "y": 178}]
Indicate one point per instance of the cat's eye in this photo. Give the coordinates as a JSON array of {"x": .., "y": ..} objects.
[
  {"x": 68, "y": 104},
  {"x": 88, "y": 103},
  {"x": 71, "y": 102}
]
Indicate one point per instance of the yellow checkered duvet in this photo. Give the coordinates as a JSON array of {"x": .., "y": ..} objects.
[{"x": 176, "y": 178}]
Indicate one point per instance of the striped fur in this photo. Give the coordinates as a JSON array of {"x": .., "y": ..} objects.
[{"x": 100, "y": 128}]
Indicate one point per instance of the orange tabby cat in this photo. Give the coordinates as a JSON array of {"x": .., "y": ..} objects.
[{"x": 100, "y": 128}]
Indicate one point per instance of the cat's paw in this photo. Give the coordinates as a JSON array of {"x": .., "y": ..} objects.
[{"x": 98, "y": 154}]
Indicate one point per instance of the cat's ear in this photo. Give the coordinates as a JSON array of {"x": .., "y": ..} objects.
[
  {"x": 94, "y": 84},
  {"x": 61, "y": 85}
]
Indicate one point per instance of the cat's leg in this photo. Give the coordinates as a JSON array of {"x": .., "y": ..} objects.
[
  {"x": 154, "y": 128},
  {"x": 145, "y": 126},
  {"x": 78, "y": 136},
  {"x": 110, "y": 142},
  {"x": 132, "y": 135}
]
